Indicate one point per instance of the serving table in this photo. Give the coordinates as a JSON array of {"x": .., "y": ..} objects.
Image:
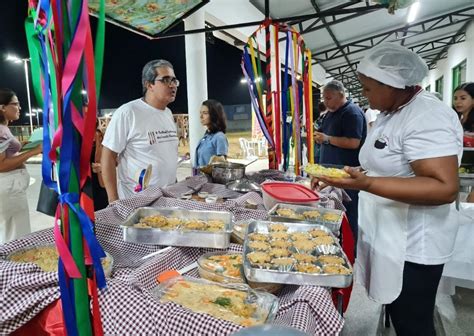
[{"x": 126, "y": 305}]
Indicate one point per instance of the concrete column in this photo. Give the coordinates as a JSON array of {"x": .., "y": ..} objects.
[{"x": 196, "y": 76}]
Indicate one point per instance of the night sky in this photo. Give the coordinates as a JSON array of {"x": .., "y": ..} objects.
[{"x": 125, "y": 55}]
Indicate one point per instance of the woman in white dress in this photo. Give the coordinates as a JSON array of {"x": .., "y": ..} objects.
[{"x": 14, "y": 178}]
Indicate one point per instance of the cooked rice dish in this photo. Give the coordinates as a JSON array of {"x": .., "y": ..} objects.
[
  {"x": 277, "y": 227},
  {"x": 279, "y": 235},
  {"x": 300, "y": 236},
  {"x": 336, "y": 269},
  {"x": 46, "y": 257},
  {"x": 307, "y": 268},
  {"x": 331, "y": 217},
  {"x": 324, "y": 240},
  {"x": 318, "y": 233},
  {"x": 222, "y": 303},
  {"x": 259, "y": 245},
  {"x": 285, "y": 212},
  {"x": 304, "y": 258},
  {"x": 279, "y": 252},
  {"x": 312, "y": 214},
  {"x": 258, "y": 236},
  {"x": 331, "y": 259},
  {"x": 258, "y": 257},
  {"x": 280, "y": 244},
  {"x": 318, "y": 170},
  {"x": 304, "y": 245},
  {"x": 283, "y": 261}
]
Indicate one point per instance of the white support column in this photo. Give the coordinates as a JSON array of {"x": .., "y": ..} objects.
[{"x": 196, "y": 76}]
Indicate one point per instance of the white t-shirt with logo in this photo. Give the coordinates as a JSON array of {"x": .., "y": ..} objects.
[
  {"x": 142, "y": 135},
  {"x": 424, "y": 128}
]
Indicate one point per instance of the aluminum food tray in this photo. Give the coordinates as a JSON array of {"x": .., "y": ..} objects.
[
  {"x": 295, "y": 278},
  {"x": 154, "y": 236},
  {"x": 334, "y": 226},
  {"x": 107, "y": 270}
]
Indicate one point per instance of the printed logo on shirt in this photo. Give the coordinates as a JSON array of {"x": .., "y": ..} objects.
[
  {"x": 160, "y": 136},
  {"x": 381, "y": 142}
]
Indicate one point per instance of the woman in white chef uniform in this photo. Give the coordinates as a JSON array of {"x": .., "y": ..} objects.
[{"x": 407, "y": 224}]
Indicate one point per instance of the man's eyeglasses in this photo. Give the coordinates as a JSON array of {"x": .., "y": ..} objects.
[
  {"x": 17, "y": 104},
  {"x": 168, "y": 80}
]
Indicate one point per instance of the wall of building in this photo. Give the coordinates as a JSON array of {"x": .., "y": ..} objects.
[
  {"x": 239, "y": 117},
  {"x": 456, "y": 54}
]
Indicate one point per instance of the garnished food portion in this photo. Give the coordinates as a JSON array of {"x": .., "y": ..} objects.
[
  {"x": 317, "y": 170},
  {"x": 46, "y": 257},
  {"x": 173, "y": 223},
  {"x": 220, "y": 302},
  {"x": 224, "y": 267}
]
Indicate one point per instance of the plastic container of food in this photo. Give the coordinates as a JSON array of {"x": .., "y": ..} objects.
[
  {"x": 237, "y": 303},
  {"x": 286, "y": 192}
]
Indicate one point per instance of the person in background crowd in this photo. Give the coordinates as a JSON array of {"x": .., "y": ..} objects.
[
  {"x": 370, "y": 117},
  {"x": 342, "y": 133},
  {"x": 408, "y": 222},
  {"x": 98, "y": 187},
  {"x": 181, "y": 129},
  {"x": 14, "y": 178},
  {"x": 214, "y": 141},
  {"x": 464, "y": 105},
  {"x": 142, "y": 133},
  {"x": 463, "y": 102},
  {"x": 322, "y": 110}
]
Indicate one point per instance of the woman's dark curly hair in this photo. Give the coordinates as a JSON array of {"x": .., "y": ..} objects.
[
  {"x": 217, "y": 115},
  {"x": 6, "y": 96},
  {"x": 469, "y": 88}
]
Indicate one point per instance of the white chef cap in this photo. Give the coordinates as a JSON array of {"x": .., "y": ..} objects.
[{"x": 393, "y": 65}]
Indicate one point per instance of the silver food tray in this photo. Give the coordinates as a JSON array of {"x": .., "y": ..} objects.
[
  {"x": 334, "y": 226},
  {"x": 107, "y": 270},
  {"x": 154, "y": 236},
  {"x": 294, "y": 277}
]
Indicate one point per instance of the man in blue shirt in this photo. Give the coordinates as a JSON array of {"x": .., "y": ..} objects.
[{"x": 341, "y": 135}]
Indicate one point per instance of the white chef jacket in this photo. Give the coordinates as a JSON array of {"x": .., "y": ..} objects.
[{"x": 392, "y": 232}]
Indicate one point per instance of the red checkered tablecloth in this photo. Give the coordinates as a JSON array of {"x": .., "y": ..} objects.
[{"x": 127, "y": 306}]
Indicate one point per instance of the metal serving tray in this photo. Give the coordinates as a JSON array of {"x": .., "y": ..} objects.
[
  {"x": 294, "y": 277},
  {"x": 334, "y": 226},
  {"x": 154, "y": 236}
]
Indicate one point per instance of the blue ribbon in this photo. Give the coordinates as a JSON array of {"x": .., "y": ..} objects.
[
  {"x": 67, "y": 298},
  {"x": 87, "y": 230}
]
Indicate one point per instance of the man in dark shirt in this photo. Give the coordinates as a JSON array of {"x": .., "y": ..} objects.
[{"x": 341, "y": 136}]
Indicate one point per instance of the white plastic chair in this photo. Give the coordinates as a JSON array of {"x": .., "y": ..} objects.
[{"x": 247, "y": 150}]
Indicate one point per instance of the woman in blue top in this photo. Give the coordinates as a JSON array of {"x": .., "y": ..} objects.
[{"x": 214, "y": 141}]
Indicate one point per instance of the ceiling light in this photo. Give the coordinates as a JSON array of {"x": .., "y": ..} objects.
[{"x": 413, "y": 11}]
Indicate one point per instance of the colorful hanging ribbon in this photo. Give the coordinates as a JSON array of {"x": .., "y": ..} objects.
[{"x": 65, "y": 61}]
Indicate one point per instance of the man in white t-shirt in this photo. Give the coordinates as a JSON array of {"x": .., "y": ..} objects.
[{"x": 142, "y": 133}]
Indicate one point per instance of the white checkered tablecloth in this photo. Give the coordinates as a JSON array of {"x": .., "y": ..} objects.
[{"x": 127, "y": 306}]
